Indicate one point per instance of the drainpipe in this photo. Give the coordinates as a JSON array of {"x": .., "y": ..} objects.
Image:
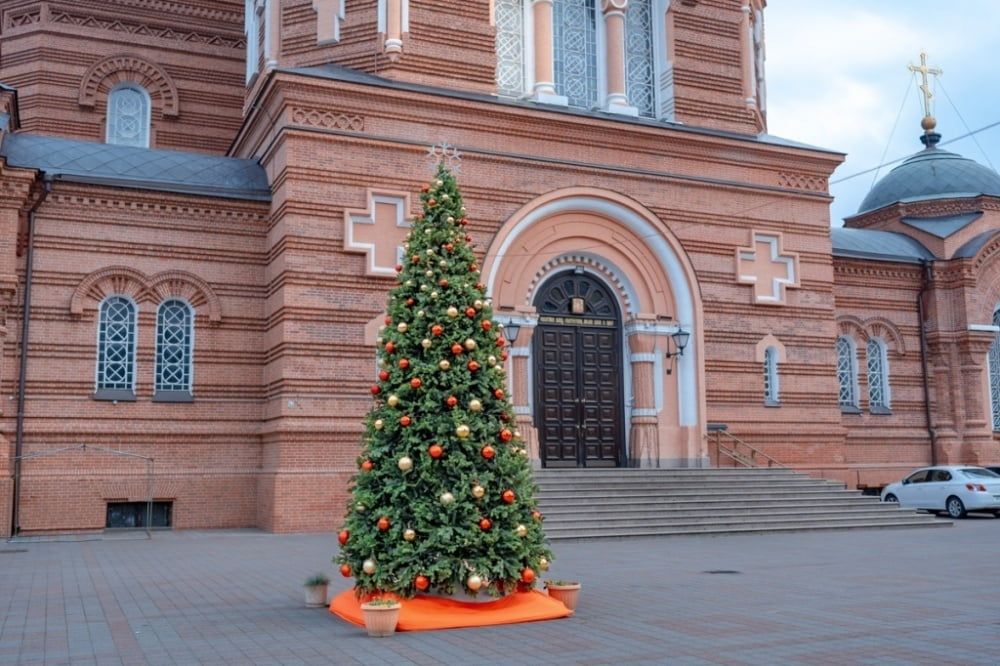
[
  {"x": 23, "y": 371},
  {"x": 923, "y": 357}
]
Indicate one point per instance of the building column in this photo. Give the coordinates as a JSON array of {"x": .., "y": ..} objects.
[
  {"x": 518, "y": 367},
  {"x": 393, "y": 29},
  {"x": 544, "y": 89},
  {"x": 614, "y": 31},
  {"x": 644, "y": 436}
]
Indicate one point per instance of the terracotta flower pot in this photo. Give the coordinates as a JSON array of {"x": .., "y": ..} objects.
[
  {"x": 567, "y": 593},
  {"x": 380, "y": 618}
]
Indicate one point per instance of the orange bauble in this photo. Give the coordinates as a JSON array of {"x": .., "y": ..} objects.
[
  {"x": 527, "y": 575},
  {"x": 404, "y": 363},
  {"x": 366, "y": 465},
  {"x": 473, "y": 366},
  {"x": 376, "y": 390},
  {"x": 488, "y": 452},
  {"x": 456, "y": 349},
  {"x": 435, "y": 451},
  {"x": 486, "y": 324},
  {"x": 390, "y": 347},
  {"x": 437, "y": 329},
  {"x": 415, "y": 382},
  {"x": 343, "y": 536},
  {"x": 405, "y": 420},
  {"x": 506, "y": 435},
  {"x": 498, "y": 394},
  {"x": 485, "y": 524},
  {"x": 451, "y": 401},
  {"x": 383, "y": 523},
  {"x": 345, "y": 570},
  {"x": 470, "y": 312},
  {"x": 508, "y": 496},
  {"x": 421, "y": 582},
  {"x": 383, "y": 375}
]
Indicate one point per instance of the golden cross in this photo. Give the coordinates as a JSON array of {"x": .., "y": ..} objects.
[{"x": 924, "y": 86}]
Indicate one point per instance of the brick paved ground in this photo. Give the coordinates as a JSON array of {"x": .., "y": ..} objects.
[{"x": 911, "y": 596}]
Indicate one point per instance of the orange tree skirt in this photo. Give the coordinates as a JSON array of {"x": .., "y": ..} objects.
[{"x": 427, "y": 612}]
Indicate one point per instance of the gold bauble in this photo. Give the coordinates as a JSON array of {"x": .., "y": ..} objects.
[
  {"x": 475, "y": 405},
  {"x": 430, "y": 252},
  {"x": 423, "y": 287},
  {"x": 434, "y": 294},
  {"x": 368, "y": 567},
  {"x": 521, "y": 530},
  {"x": 474, "y": 582},
  {"x": 443, "y": 263},
  {"x": 392, "y": 401},
  {"x": 360, "y": 508},
  {"x": 420, "y": 313},
  {"x": 492, "y": 360},
  {"x": 378, "y": 424},
  {"x": 405, "y": 463},
  {"x": 426, "y": 343},
  {"x": 444, "y": 365},
  {"x": 427, "y": 231},
  {"x": 543, "y": 564},
  {"x": 447, "y": 498},
  {"x": 478, "y": 304},
  {"x": 470, "y": 344},
  {"x": 402, "y": 327},
  {"x": 452, "y": 311},
  {"x": 429, "y": 273},
  {"x": 409, "y": 534},
  {"x": 462, "y": 431},
  {"x": 409, "y": 283},
  {"x": 478, "y": 491}
]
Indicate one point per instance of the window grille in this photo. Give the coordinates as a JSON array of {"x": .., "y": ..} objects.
[
  {"x": 771, "y": 376},
  {"x": 575, "y": 51},
  {"x": 878, "y": 381},
  {"x": 509, "y": 19},
  {"x": 640, "y": 71},
  {"x": 173, "y": 346},
  {"x": 116, "y": 345},
  {"x": 847, "y": 374},
  {"x": 993, "y": 359},
  {"x": 128, "y": 116}
]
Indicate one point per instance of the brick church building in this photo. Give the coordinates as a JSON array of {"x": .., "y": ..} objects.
[{"x": 203, "y": 203}]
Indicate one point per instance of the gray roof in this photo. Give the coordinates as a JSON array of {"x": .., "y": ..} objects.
[
  {"x": 976, "y": 243},
  {"x": 942, "y": 226},
  {"x": 142, "y": 168},
  {"x": 877, "y": 245},
  {"x": 932, "y": 174}
]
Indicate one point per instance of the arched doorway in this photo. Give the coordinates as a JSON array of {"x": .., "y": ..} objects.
[{"x": 577, "y": 352}]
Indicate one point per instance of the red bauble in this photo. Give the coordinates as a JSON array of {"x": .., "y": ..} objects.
[
  {"x": 383, "y": 375},
  {"x": 451, "y": 401},
  {"x": 485, "y": 524},
  {"x": 498, "y": 394},
  {"x": 503, "y": 416},
  {"x": 443, "y": 282},
  {"x": 404, "y": 363},
  {"x": 501, "y": 341},
  {"x": 506, "y": 435},
  {"x": 432, "y": 202},
  {"x": 527, "y": 575},
  {"x": 463, "y": 221},
  {"x": 436, "y": 451},
  {"x": 473, "y": 366},
  {"x": 383, "y": 523},
  {"x": 343, "y": 536},
  {"x": 410, "y": 302},
  {"x": 415, "y": 382},
  {"x": 536, "y": 515},
  {"x": 508, "y": 496},
  {"x": 449, "y": 247},
  {"x": 388, "y": 320},
  {"x": 470, "y": 312},
  {"x": 345, "y": 570},
  {"x": 405, "y": 420},
  {"x": 421, "y": 582},
  {"x": 390, "y": 347},
  {"x": 437, "y": 329},
  {"x": 473, "y": 268},
  {"x": 456, "y": 349},
  {"x": 425, "y": 188},
  {"x": 503, "y": 356},
  {"x": 479, "y": 286},
  {"x": 415, "y": 258},
  {"x": 399, "y": 269},
  {"x": 376, "y": 389},
  {"x": 487, "y": 325},
  {"x": 488, "y": 452},
  {"x": 468, "y": 238},
  {"x": 367, "y": 466}
]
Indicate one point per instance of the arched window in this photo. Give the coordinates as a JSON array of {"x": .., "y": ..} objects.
[
  {"x": 174, "y": 347},
  {"x": 771, "y": 377},
  {"x": 128, "y": 116},
  {"x": 994, "y": 367},
  {"x": 878, "y": 376},
  {"x": 847, "y": 373},
  {"x": 579, "y": 53},
  {"x": 116, "y": 341}
]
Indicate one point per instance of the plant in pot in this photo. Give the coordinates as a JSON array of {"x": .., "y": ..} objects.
[
  {"x": 566, "y": 591},
  {"x": 316, "y": 585},
  {"x": 381, "y": 615}
]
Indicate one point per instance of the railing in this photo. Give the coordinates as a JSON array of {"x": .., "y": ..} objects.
[{"x": 731, "y": 447}]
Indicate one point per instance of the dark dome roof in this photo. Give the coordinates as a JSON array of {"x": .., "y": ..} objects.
[{"x": 932, "y": 174}]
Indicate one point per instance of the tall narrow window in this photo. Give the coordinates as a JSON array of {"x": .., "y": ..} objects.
[
  {"x": 878, "y": 376},
  {"x": 509, "y": 19},
  {"x": 116, "y": 340},
  {"x": 994, "y": 368},
  {"x": 640, "y": 71},
  {"x": 847, "y": 373},
  {"x": 173, "y": 352},
  {"x": 128, "y": 116},
  {"x": 575, "y": 51},
  {"x": 771, "y": 377}
]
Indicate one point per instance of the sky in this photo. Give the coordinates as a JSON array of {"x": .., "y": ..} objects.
[{"x": 838, "y": 78}]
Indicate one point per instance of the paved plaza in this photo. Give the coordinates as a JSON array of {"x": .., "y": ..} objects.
[{"x": 903, "y": 596}]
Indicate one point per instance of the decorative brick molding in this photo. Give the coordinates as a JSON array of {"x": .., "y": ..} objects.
[
  {"x": 129, "y": 68},
  {"x": 767, "y": 267},
  {"x": 606, "y": 271},
  {"x": 800, "y": 181},
  {"x": 873, "y": 327},
  {"x": 327, "y": 119},
  {"x": 129, "y": 282},
  {"x": 145, "y": 30},
  {"x": 378, "y": 230}
]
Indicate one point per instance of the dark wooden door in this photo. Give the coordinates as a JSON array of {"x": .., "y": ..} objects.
[{"x": 578, "y": 388}]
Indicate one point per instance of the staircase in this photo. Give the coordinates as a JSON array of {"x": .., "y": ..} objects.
[{"x": 611, "y": 503}]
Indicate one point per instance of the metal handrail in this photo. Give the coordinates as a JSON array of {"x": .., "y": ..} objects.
[{"x": 738, "y": 451}]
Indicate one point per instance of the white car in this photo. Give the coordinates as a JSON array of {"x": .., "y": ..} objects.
[{"x": 952, "y": 488}]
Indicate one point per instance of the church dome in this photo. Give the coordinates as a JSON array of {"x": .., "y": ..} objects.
[{"x": 932, "y": 174}]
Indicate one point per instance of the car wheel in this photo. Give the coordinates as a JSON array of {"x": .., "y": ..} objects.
[
  {"x": 955, "y": 507},
  {"x": 891, "y": 498}
]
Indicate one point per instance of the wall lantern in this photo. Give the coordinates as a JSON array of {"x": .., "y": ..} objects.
[{"x": 680, "y": 338}]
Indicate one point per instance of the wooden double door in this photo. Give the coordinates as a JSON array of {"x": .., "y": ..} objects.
[{"x": 578, "y": 377}]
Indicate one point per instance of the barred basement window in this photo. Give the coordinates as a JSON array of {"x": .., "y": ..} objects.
[
  {"x": 174, "y": 345},
  {"x": 116, "y": 341},
  {"x": 847, "y": 373},
  {"x": 993, "y": 360},
  {"x": 878, "y": 377},
  {"x": 128, "y": 116},
  {"x": 771, "y": 377},
  {"x": 138, "y": 514}
]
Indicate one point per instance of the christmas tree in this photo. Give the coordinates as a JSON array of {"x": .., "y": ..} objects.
[{"x": 444, "y": 496}]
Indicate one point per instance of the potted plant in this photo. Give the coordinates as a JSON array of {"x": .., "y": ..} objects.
[
  {"x": 566, "y": 591},
  {"x": 381, "y": 616},
  {"x": 316, "y": 590}
]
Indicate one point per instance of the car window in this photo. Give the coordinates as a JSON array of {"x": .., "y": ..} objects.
[
  {"x": 981, "y": 472},
  {"x": 941, "y": 475},
  {"x": 918, "y": 477}
]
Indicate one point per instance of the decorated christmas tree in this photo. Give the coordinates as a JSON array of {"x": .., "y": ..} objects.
[{"x": 443, "y": 500}]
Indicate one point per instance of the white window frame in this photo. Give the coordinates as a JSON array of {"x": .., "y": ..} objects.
[
  {"x": 847, "y": 373},
  {"x": 771, "y": 386},
  {"x": 182, "y": 391},
  {"x": 877, "y": 363},
  {"x": 993, "y": 366},
  {"x": 105, "y": 389},
  {"x": 145, "y": 120}
]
